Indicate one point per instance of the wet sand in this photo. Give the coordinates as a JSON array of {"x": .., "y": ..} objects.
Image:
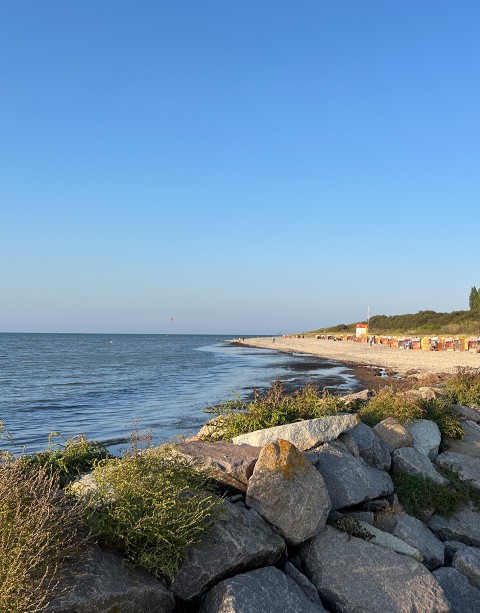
[{"x": 400, "y": 361}]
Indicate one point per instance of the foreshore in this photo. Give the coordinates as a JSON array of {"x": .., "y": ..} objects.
[{"x": 400, "y": 361}]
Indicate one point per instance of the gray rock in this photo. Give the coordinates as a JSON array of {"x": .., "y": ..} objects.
[
  {"x": 463, "y": 526},
  {"x": 469, "y": 444},
  {"x": 389, "y": 541},
  {"x": 371, "y": 448},
  {"x": 99, "y": 581},
  {"x": 267, "y": 590},
  {"x": 425, "y": 393},
  {"x": 393, "y": 433},
  {"x": 467, "y": 561},
  {"x": 414, "y": 533},
  {"x": 467, "y": 413},
  {"x": 463, "y": 597},
  {"x": 228, "y": 463},
  {"x": 303, "y": 434},
  {"x": 349, "y": 443},
  {"x": 409, "y": 460},
  {"x": 300, "y": 579},
  {"x": 362, "y": 396},
  {"x": 350, "y": 481},
  {"x": 353, "y": 576},
  {"x": 213, "y": 428},
  {"x": 241, "y": 540},
  {"x": 367, "y": 516},
  {"x": 288, "y": 492},
  {"x": 426, "y": 436},
  {"x": 451, "y": 548},
  {"x": 467, "y": 468}
]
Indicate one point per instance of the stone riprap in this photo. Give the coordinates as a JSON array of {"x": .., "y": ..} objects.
[
  {"x": 466, "y": 467},
  {"x": 349, "y": 480},
  {"x": 353, "y": 575},
  {"x": 371, "y": 448},
  {"x": 100, "y": 581},
  {"x": 467, "y": 561},
  {"x": 467, "y": 413},
  {"x": 469, "y": 444},
  {"x": 463, "y": 597},
  {"x": 302, "y": 581},
  {"x": 266, "y": 590},
  {"x": 288, "y": 492},
  {"x": 303, "y": 434},
  {"x": 228, "y": 463},
  {"x": 393, "y": 433},
  {"x": 410, "y": 461},
  {"x": 426, "y": 436},
  {"x": 389, "y": 541},
  {"x": 241, "y": 540},
  {"x": 463, "y": 526}
]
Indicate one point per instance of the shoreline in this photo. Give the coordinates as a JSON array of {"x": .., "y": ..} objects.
[{"x": 366, "y": 361}]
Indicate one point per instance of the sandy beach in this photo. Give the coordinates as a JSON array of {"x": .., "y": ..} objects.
[{"x": 399, "y": 360}]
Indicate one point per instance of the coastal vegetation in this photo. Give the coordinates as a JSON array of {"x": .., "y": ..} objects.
[
  {"x": 464, "y": 388},
  {"x": 151, "y": 507},
  {"x": 421, "y": 323},
  {"x": 39, "y": 529}
]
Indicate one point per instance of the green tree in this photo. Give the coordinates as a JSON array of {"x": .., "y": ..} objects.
[{"x": 474, "y": 300}]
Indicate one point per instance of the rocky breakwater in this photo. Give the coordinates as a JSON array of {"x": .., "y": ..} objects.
[{"x": 311, "y": 522}]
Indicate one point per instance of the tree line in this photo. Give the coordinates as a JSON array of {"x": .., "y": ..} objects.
[{"x": 474, "y": 300}]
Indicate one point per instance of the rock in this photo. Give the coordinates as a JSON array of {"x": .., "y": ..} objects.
[
  {"x": 239, "y": 541},
  {"x": 463, "y": 597},
  {"x": 362, "y": 396},
  {"x": 371, "y": 448},
  {"x": 467, "y": 413},
  {"x": 266, "y": 590},
  {"x": 425, "y": 393},
  {"x": 409, "y": 460},
  {"x": 451, "y": 548},
  {"x": 414, "y": 533},
  {"x": 467, "y": 561},
  {"x": 349, "y": 444},
  {"x": 302, "y": 582},
  {"x": 83, "y": 486},
  {"x": 228, "y": 463},
  {"x": 350, "y": 481},
  {"x": 469, "y": 444},
  {"x": 426, "y": 436},
  {"x": 288, "y": 492},
  {"x": 393, "y": 433},
  {"x": 303, "y": 434},
  {"x": 466, "y": 467},
  {"x": 213, "y": 428},
  {"x": 365, "y": 516},
  {"x": 463, "y": 526},
  {"x": 100, "y": 581},
  {"x": 376, "y": 506},
  {"x": 388, "y": 541},
  {"x": 353, "y": 575}
]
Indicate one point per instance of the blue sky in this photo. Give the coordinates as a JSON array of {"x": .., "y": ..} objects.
[{"x": 253, "y": 167}]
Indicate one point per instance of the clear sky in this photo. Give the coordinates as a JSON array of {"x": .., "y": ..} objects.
[{"x": 244, "y": 167}]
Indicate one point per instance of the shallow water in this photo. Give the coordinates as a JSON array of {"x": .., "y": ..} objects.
[{"x": 98, "y": 385}]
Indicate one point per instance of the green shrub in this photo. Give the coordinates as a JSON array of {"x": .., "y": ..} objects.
[
  {"x": 389, "y": 403},
  {"x": 464, "y": 387},
  {"x": 69, "y": 458},
  {"x": 274, "y": 408},
  {"x": 37, "y": 531},
  {"x": 441, "y": 412},
  {"x": 152, "y": 506}
]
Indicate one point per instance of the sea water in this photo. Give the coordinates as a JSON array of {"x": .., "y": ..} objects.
[{"x": 102, "y": 385}]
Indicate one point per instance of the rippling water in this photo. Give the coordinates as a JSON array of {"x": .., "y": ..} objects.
[{"x": 97, "y": 385}]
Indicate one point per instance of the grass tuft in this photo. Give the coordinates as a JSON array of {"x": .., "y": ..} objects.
[{"x": 464, "y": 387}]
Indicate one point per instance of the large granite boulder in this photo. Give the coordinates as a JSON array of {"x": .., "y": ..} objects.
[
  {"x": 303, "y": 434},
  {"x": 288, "y": 492},
  {"x": 426, "y": 436},
  {"x": 371, "y": 448},
  {"x": 466, "y": 467},
  {"x": 357, "y": 397},
  {"x": 410, "y": 461},
  {"x": 462, "y": 526},
  {"x": 349, "y": 480},
  {"x": 388, "y": 541},
  {"x": 462, "y": 596},
  {"x": 353, "y": 575},
  {"x": 467, "y": 413},
  {"x": 469, "y": 444},
  {"x": 241, "y": 540},
  {"x": 266, "y": 590},
  {"x": 100, "y": 581},
  {"x": 228, "y": 463},
  {"x": 307, "y": 586},
  {"x": 393, "y": 433},
  {"x": 414, "y": 533},
  {"x": 467, "y": 561}
]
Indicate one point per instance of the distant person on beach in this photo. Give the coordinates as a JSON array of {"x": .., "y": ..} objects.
[{"x": 273, "y": 339}]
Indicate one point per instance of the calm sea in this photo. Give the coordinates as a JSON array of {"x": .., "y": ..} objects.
[{"x": 98, "y": 385}]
